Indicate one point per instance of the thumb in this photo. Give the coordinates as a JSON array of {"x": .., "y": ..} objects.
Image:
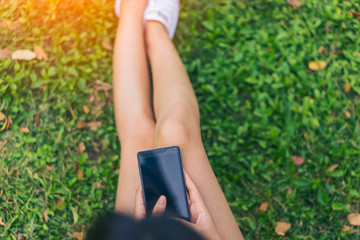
[{"x": 160, "y": 206}]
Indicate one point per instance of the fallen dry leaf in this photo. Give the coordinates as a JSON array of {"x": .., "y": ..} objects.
[
  {"x": 72, "y": 113},
  {"x": 321, "y": 50},
  {"x": 81, "y": 125},
  {"x": 346, "y": 228},
  {"x": 96, "y": 149},
  {"x": 80, "y": 174},
  {"x": 264, "y": 206},
  {"x": 36, "y": 121},
  {"x": 2, "y": 116},
  {"x": 24, "y": 130},
  {"x": 282, "y": 227},
  {"x": 6, "y": 124},
  {"x": 81, "y": 147},
  {"x": 99, "y": 185},
  {"x": 20, "y": 236},
  {"x": 46, "y": 218},
  {"x": 294, "y": 3},
  {"x": 332, "y": 168},
  {"x": 86, "y": 109},
  {"x": 5, "y": 53},
  {"x": 94, "y": 125},
  {"x": 104, "y": 86},
  {"x": 106, "y": 45},
  {"x": 40, "y": 53},
  {"x": 24, "y": 54},
  {"x": 354, "y": 219},
  {"x": 347, "y": 87},
  {"x": 79, "y": 235},
  {"x": 1, "y": 222},
  {"x": 298, "y": 161},
  {"x": 59, "y": 203},
  {"x": 48, "y": 168},
  {"x": 347, "y": 114},
  {"x": 317, "y": 65}
]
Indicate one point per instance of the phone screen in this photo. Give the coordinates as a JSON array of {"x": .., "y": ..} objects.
[{"x": 162, "y": 174}]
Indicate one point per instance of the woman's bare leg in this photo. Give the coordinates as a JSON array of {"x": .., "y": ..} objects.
[
  {"x": 132, "y": 99},
  {"x": 178, "y": 123}
]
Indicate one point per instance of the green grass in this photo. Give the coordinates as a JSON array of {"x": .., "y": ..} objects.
[{"x": 248, "y": 62}]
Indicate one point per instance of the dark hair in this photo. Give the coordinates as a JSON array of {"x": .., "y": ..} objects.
[{"x": 114, "y": 226}]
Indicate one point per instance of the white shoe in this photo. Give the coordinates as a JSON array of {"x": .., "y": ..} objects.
[{"x": 163, "y": 11}]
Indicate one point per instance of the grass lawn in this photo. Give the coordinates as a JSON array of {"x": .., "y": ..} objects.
[{"x": 260, "y": 103}]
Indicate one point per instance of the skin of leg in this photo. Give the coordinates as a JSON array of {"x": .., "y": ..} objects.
[
  {"x": 178, "y": 123},
  {"x": 132, "y": 100}
]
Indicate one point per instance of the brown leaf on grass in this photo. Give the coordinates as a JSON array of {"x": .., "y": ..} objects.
[
  {"x": 36, "y": 121},
  {"x": 295, "y": 3},
  {"x": 20, "y": 236},
  {"x": 81, "y": 147},
  {"x": 2, "y": 116},
  {"x": 95, "y": 146},
  {"x": 99, "y": 185},
  {"x": 347, "y": 87},
  {"x": 6, "y": 124},
  {"x": 24, "y": 130},
  {"x": 94, "y": 125},
  {"x": 106, "y": 45},
  {"x": 1, "y": 222},
  {"x": 48, "y": 168},
  {"x": 347, "y": 114},
  {"x": 321, "y": 50},
  {"x": 79, "y": 235},
  {"x": 264, "y": 206},
  {"x": 40, "y": 53},
  {"x": 317, "y": 65},
  {"x": 86, "y": 109},
  {"x": 45, "y": 214},
  {"x": 354, "y": 219},
  {"x": 355, "y": 14},
  {"x": 346, "y": 228},
  {"x": 59, "y": 203},
  {"x": 282, "y": 227},
  {"x": 72, "y": 113},
  {"x": 102, "y": 86},
  {"x": 81, "y": 125},
  {"x": 24, "y": 54},
  {"x": 5, "y": 53},
  {"x": 298, "y": 161},
  {"x": 80, "y": 174},
  {"x": 332, "y": 168}
]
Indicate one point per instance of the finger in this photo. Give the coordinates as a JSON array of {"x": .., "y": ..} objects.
[
  {"x": 160, "y": 206},
  {"x": 194, "y": 193},
  {"x": 139, "y": 210}
]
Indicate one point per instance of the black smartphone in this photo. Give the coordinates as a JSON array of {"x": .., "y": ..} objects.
[{"x": 161, "y": 173}]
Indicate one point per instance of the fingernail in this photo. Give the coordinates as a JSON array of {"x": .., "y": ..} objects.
[{"x": 162, "y": 200}]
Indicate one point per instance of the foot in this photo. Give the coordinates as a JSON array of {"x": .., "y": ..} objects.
[{"x": 163, "y": 11}]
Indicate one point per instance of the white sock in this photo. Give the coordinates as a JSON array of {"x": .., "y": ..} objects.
[{"x": 163, "y": 11}]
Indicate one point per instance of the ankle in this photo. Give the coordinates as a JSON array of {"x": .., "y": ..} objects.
[{"x": 154, "y": 31}]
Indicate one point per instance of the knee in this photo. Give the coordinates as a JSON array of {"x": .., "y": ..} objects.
[
  {"x": 175, "y": 130},
  {"x": 140, "y": 130}
]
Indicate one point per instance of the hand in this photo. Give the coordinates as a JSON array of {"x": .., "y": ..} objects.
[
  {"x": 201, "y": 220},
  {"x": 140, "y": 212}
]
